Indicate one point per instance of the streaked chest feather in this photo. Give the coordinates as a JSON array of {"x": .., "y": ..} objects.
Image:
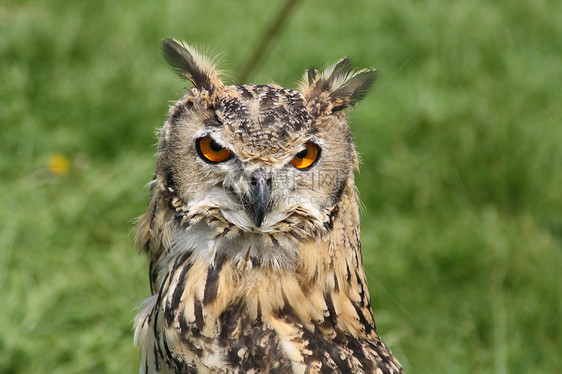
[{"x": 224, "y": 318}]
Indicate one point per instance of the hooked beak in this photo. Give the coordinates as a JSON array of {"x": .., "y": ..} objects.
[{"x": 258, "y": 201}]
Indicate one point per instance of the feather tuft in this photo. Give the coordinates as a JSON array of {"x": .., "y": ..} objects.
[
  {"x": 337, "y": 87},
  {"x": 192, "y": 65}
]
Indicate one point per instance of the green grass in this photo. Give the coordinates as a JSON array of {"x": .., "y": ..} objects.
[{"x": 461, "y": 142}]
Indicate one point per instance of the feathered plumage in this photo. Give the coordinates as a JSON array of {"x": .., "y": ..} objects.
[{"x": 252, "y": 230}]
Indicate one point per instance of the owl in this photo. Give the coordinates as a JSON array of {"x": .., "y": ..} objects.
[{"x": 252, "y": 230}]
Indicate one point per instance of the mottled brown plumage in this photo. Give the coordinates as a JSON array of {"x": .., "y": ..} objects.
[{"x": 253, "y": 242}]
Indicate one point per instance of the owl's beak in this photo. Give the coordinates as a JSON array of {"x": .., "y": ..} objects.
[{"x": 258, "y": 201}]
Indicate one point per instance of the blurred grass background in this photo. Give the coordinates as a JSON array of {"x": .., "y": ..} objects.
[{"x": 461, "y": 142}]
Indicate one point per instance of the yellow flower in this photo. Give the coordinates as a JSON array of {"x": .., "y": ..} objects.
[{"x": 58, "y": 164}]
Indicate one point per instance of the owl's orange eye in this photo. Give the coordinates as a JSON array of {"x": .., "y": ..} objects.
[
  {"x": 211, "y": 151},
  {"x": 305, "y": 158}
]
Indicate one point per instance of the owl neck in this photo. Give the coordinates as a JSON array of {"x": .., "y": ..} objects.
[{"x": 326, "y": 290}]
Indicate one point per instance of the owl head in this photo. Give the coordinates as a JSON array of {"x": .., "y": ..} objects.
[{"x": 251, "y": 171}]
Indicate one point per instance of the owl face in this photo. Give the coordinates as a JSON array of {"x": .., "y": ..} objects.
[
  {"x": 257, "y": 166},
  {"x": 257, "y": 158}
]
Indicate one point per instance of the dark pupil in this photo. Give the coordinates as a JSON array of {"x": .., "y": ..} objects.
[
  {"x": 303, "y": 153},
  {"x": 214, "y": 146}
]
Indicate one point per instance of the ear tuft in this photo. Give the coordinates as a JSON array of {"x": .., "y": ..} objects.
[
  {"x": 190, "y": 64},
  {"x": 337, "y": 87},
  {"x": 355, "y": 87}
]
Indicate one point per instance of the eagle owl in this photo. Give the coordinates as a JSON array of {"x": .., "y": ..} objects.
[{"x": 252, "y": 230}]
